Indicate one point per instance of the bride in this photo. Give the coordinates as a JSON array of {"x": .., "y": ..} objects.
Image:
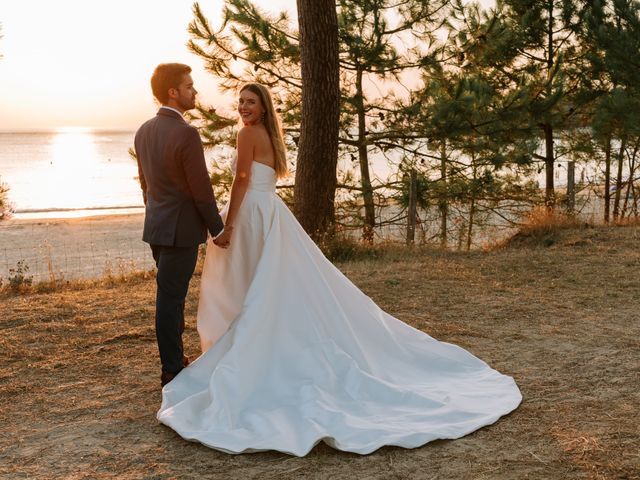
[{"x": 294, "y": 353}]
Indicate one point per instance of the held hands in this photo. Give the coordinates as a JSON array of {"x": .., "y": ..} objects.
[{"x": 224, "y": 239}]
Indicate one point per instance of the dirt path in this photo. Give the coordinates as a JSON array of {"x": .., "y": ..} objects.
[{"x": 79, "y": 387}]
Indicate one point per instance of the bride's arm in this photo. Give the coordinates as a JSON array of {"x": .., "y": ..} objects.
[{"x": 245, "y": 145}]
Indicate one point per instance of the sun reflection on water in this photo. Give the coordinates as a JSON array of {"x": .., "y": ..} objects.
[
  {"x": 76, "y": 169},
  {"x": 74, "y": 161}
]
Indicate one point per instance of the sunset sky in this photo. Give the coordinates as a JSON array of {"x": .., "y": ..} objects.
[{"x": 87, "y": 63}]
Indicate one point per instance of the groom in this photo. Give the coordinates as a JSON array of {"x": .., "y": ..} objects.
[{"x": 179, "y": 205}]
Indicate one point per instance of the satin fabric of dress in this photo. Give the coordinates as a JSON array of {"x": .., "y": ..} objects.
[{"x": 295, "y": 354}]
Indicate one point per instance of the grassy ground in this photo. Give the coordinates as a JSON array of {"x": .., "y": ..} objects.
[{"x": 79, "y": 379}]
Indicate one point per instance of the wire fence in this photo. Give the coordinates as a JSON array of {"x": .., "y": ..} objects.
[
  {"x": 98, "y": 247},
  {"x": 72, "y": 249}
]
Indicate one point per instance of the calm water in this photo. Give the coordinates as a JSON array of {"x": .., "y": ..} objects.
[
  {"x": 69, "y": 173},
  {"x": 81, "y": 172}
]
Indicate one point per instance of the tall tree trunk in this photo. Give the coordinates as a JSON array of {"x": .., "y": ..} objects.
[
  {"x": 315, "y": 182},
  {"x": 632, "y": 172},
  {"x": 363, "y": 157},
  {"x": 616, "y": 200},
  {"x": 444, "y": 197},
  {"x": 472, "y": 206},
  {"x": 549, "y": 163},
  {"x": 607, "y": 180}
]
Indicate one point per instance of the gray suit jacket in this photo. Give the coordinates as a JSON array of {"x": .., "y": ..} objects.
[{"x": 177, "y": 192}]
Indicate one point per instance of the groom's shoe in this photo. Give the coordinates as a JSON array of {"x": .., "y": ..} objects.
[{"x": 166, "y": 377}]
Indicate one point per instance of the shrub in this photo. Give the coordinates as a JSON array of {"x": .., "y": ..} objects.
[
  {"x": 343, "y": 249},
  {"x": 543, "y": 221},
  {"x": 19, "y": 277},
  {"x": 542, "y": 226},
  {"x": 5, "y": 208}
]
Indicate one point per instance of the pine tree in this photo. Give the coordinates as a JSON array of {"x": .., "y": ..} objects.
[
  {"x": 543, "y": 51},
  {"x": 369, "y": 34},
  {"x": 474, "y": 115},
  {"x": 267, "y": 50},
  {"x": 612, "y": 30}
]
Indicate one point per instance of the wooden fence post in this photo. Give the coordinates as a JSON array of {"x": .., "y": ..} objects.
[
  {"x": 571, "y": 189},
  {"x": 413, "y": 200}
]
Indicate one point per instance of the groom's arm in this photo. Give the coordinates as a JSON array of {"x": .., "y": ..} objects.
[{"x": 197, "y": 176}]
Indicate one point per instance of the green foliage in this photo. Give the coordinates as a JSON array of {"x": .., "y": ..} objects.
[
  {"x": 610, "y": 136},
  {"x": 612, "y": 30},
  {"x": 221, "y": 179},
  {"x": 424, "y": 191},
  {"x": 379, "y": 40},
  {"x": 214, "y": 129},
  {"x": 474, "y": 125},
  {"x": 617, "y": 113}
]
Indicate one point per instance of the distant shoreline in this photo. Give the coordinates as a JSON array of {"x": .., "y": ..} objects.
[
  {"x": 116, "y": 218},
  {"x": 69, "y": 213},
  {"x": 47, "y": 210},
  {"x": 68, "y": 130}
]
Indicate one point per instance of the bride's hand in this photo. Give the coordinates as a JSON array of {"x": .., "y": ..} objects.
[{"x": 224, "y": 239}]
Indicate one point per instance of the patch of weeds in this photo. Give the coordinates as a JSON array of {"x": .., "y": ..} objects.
[
  {"x": 19, "y": 277},
  {"x": 543, "y": 227},
  {"x": 341, "y": 249}
]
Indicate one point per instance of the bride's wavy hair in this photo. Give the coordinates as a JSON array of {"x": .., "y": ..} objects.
[{"x": 272, "y": 124}]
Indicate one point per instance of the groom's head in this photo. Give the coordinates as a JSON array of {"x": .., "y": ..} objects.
[{"x": 172, "y": 86}]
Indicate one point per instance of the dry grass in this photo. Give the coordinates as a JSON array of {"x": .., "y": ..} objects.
[
  {"x": 59, "y": 284},
  {"x": 79, "y": 383},
  {"x": 542, "y": 226}
]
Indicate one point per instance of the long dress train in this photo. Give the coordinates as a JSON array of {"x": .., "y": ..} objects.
[{"x": 295, "y": 354}]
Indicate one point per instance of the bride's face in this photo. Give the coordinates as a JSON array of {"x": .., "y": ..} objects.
[{"x": 250, "y": 108}]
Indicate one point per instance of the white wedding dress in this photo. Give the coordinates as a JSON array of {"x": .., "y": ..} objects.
[{"x": 295, "y": 354}]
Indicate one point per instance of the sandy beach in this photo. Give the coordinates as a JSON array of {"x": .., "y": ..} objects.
[{"x": 74, "y": 248}]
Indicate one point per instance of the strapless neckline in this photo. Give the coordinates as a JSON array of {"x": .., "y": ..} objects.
[
  {"x": 264, "y": 165},
  {"x": 234, "y": 163}
]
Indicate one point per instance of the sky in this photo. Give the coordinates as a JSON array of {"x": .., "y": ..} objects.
[{"x": 87, "y": 63}]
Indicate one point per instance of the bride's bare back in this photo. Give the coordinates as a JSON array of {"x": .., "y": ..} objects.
[{"x": 262, "y": 147}]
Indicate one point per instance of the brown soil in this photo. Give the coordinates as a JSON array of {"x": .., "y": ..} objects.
[{"x": 79, "y": 380}]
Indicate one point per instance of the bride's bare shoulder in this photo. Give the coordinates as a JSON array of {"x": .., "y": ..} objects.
[{"x": 249, "y": 131}]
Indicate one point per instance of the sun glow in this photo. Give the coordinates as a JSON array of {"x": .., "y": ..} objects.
[
  {"x": 74, "y": 130},
  {"x": 69, "y": 184},
  {"x": 76, "y": 170},
  {"x": 73, "y": 62}
]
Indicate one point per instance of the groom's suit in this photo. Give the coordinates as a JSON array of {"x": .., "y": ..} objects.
[{"x": 179, "y": 210}]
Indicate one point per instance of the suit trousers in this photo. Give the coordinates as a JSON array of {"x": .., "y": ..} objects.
[{"x": 175, "y": 269}]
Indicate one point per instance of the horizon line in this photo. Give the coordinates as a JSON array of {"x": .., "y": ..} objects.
[{"x": 68, "y": 129}]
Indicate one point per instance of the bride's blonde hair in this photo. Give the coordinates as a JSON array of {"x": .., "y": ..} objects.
[{"x": 272, "y": 124}]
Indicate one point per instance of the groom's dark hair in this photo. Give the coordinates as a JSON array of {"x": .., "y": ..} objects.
[{"x": 166, "y": 76}]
